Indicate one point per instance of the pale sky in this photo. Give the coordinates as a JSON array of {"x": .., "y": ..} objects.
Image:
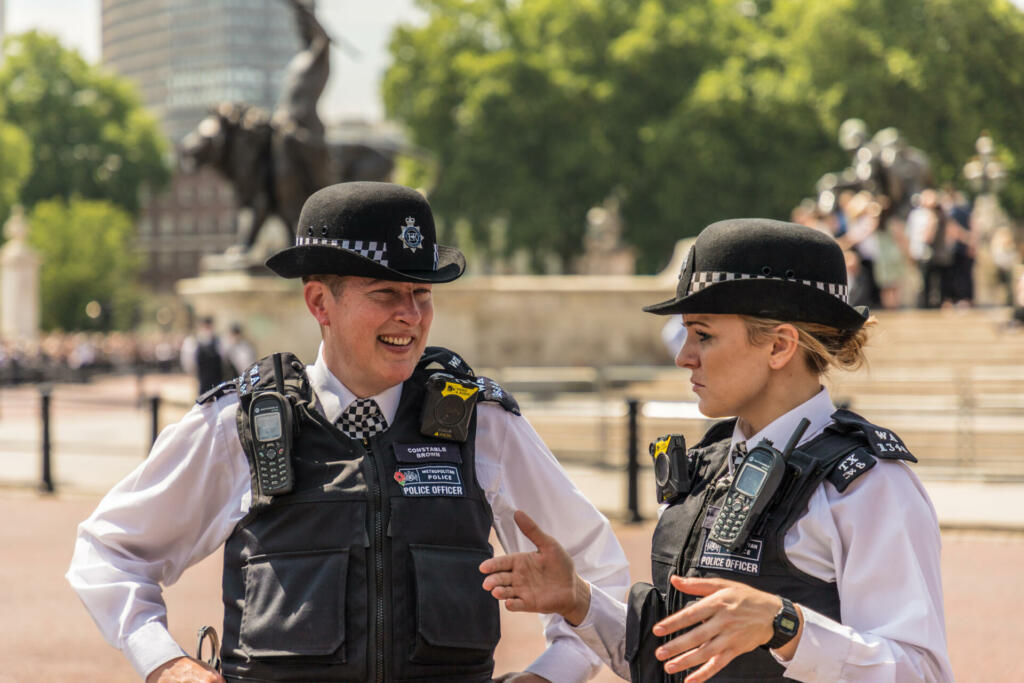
[{"x": 352, "y": 91}]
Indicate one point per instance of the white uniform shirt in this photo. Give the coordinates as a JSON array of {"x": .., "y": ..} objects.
[
  {"x": 185, "y": 499},
  {"x": 878, "y": 542}
]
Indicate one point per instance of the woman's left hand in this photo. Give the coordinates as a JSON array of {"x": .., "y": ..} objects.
[{"x": 730, "y": 618}]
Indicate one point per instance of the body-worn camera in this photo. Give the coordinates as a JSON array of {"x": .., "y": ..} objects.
[
  {"x": 671, "y": 467},
  {"x": 448, "y": 407}
]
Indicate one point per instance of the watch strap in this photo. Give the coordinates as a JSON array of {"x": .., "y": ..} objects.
[{"x": 786, "y": 625}]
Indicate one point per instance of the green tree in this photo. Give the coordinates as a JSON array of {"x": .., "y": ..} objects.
[
  {"x": 939, "y": 70},
  {"x": 85, "y": 246},
  {"x": 693, "y": 110},
  {"x": 15, "y": 165},
  {"x": 89, "y": 135}
]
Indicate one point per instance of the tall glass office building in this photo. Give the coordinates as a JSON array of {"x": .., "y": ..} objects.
[{"x": 187, "y": 56}]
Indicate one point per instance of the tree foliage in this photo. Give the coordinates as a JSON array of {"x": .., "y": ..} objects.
[
  {"x": 15, "y": 165},
  {"x": 692, "y": 110},
  {"x": 89, "y": 135},
  {"x": 86, "y": 256}
]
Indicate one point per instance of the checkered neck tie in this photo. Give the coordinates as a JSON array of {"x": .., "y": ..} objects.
[
  {"x": 739, "y": 451},
  {"x": 362, "y": 419}
]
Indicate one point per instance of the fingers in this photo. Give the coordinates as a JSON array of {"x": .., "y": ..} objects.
[
  {"x": 501, "y": 563},
  {"x": 695, "y": 612},
  {"x": 711, "y": 654},
  {"x": 533, "y": 532},
  {"x": 691, "y": 641},
  {"x": 710, "y": 668},
  {"x": 497, "y": 579},
  {"x": 688, "y": 616},
  {"x": 517, "y": 605},
  {"x": 694, "y": 586}
]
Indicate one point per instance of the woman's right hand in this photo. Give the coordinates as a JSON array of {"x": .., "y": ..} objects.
[{"x": 541, "y": 581}]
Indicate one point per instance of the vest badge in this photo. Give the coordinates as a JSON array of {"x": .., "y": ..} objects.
[
  {"x": 718, "y": 558},
  {"x": 430, "y": 480}
]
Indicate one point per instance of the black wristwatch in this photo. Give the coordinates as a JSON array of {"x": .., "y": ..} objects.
[{"x": 786, "y": 624}]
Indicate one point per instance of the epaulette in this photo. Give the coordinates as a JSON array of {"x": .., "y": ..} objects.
[
  {"x": 492, "y": 391},
  {"x": 263, "y": 375},
  {"x": 222, "y": 389},
  {"x": 851, "y": 466},
  {"x": 883, "y": 442},
  {"x": 448, "y": 361}
]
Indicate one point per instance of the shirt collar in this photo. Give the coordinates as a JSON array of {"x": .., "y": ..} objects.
[
  {"x": 335, "y": 397},
  {"x": 818, "y": 409}
]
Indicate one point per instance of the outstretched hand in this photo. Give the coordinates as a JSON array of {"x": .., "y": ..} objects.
[
  {"x": 541, "y": 581},
  {"x": 730, "y": 618}
]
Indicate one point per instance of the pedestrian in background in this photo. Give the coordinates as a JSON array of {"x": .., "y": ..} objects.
[{"x": 203, "y": 357}]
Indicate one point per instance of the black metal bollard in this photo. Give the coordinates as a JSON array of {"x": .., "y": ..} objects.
[
  {"x": 633, "y": 463},
  {"x": 154, "y": 408},
  {"x": 46, "y": 483}
]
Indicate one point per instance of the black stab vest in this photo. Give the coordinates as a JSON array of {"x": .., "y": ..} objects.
[
  {"x": 349, "y": 577},
  {"x": 846, "y": 450}
]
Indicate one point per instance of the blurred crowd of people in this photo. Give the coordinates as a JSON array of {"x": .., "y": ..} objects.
[
  {"x": 77, "y": 356},
  {"x": 924, "y": 258}
]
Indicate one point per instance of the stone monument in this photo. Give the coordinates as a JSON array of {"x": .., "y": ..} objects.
[
  {"x": 603, "y": 250},
  {"x": 997, "y": 242},
  {"x": 19, "y": 282}
]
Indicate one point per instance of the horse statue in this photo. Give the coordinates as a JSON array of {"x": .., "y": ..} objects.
[{"x": 274, "y": 161}]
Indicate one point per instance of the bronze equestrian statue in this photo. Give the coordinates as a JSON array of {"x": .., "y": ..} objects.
[{"x": 275, "y": 161}]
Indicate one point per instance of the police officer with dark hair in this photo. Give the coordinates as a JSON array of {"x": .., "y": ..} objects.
[
  {"x": 795, "y": 542},
  {"x": 354, "y": 496}
]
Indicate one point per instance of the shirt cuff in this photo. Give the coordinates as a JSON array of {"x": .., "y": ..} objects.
[
  {"x": 603, "y": 629},
  {"x": 150, "y": 646},
  {"x": 823, "y": 649},
  {"x": 565, "y": 660}
]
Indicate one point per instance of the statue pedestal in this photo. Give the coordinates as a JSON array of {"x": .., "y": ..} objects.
[
  {"x": 495, "y": 321},
  {"x": 270, "y": 309}
]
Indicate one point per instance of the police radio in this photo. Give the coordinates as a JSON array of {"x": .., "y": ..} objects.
[
  {"x": 671, "y": 467},
  {"x": 448, "y": 407},
  {"x": 752, "y": 488},
  {"x": 270, "y": 420}
]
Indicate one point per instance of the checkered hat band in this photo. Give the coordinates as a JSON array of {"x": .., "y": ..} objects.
[
  {"x": 376, "y": 251},
  {"x": 705, "y": 279}
]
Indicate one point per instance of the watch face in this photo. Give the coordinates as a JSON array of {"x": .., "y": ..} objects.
[{"x": 787, "y": 624}]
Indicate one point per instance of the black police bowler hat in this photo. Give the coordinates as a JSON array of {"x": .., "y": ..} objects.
[
  {"x": 768, "y": 269},
  {"x": 375, "y": 230}
]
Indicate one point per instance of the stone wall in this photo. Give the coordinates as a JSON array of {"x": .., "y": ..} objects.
[{"x": 494, "y": 321}]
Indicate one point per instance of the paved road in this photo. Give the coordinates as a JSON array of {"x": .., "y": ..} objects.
[{"x": 46, "y": 635}]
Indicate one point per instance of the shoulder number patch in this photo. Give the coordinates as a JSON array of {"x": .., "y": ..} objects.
[{"x": 849, "y": 468}]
